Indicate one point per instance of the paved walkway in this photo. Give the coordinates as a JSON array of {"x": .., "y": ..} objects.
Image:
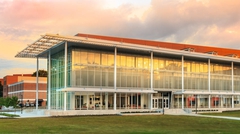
[
  {"x": 210, "y": 116},
  {"x": 36, "y": 115}
]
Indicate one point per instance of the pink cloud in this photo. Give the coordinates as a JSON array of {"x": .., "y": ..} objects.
[{"x": 197, "y": 22}]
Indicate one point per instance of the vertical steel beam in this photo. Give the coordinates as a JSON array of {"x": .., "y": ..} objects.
[
  {"x": 65, "y": 76},
  {"x": 37, "y": 84},
  {"x": 232, "y": 85},
  {"x": 115, "y": 101},
  {"x": 65, "y": 66},
  {"x": 115, "y": 78},
  {"x": 151, "y": 83},
  {"x": 182, "y": 82},
  {"x": 49, "y": 80},
  {"x": 65, "y": 101},
  {"x": 209, "y": 83}
]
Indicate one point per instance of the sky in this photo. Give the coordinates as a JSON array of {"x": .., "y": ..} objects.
[{"x": 200, "y": 22}]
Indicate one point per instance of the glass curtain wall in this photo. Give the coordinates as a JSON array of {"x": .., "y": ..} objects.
[
  {"x": 92, "y": 68},
  {"x": 105, "y": 101},
  {"x": 133, "y": 71},
  {"x": 57, "y": 80},
  {"x": 195, "y": 75},
  {"x": 236, "y": 78},
  {"x": 167, "y": 73},
  {"x": 221, "y": 79}
]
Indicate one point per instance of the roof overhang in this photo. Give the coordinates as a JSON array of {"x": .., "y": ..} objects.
[
  {"x": 78, "y": 89},
  {"x": 44, "y": 43},
  {"x": 50, "y": 41}
]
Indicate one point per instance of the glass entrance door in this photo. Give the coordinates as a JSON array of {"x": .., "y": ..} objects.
[
  {"x": 158, "y": 103},
  {"x": 155, "y": 103},
  {"x": 78, "y": 102},
  {"x": 166, "y": 103}
]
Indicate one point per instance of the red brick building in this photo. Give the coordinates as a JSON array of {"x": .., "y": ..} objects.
[
  {"x": 24, "y": 87},
  {"x": 1, "y": 81}
]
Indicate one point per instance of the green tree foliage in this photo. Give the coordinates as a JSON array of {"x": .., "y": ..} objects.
[
  {"x": 41, "y": 73},
  {"x": 14, "y": 101},
  {"x": 2, "y": 101},
  {"x": 9, "y": 101}
]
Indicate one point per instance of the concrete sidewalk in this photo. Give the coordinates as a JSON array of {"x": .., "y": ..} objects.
[
  {"x": 27, "y": 114},
  {"x": 210, "y": 116}
]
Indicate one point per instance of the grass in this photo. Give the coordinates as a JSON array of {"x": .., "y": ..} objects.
[
  {"x": 120, "y": 124},
  {"x": 9, "y": 115},
  {"x": 225, "y": 113}
]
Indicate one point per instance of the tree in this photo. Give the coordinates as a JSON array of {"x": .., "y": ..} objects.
[
  {"x": 41, "y": 73},
  {"x": 2, "y": 101},
  {"x": 14, "y": 101},
  {"x": 9, "y": 101}
]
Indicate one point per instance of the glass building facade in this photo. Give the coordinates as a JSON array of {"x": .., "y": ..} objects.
[{"x": 83, "y": 78}]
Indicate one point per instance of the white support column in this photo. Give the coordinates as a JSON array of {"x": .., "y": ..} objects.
[
  {"x": 115, "y": 79},
  {"x": 182, "y": 82},
  {"x": 151, "y": 98},
  {"x": 106, "y": 101},
  {"x": 115, "y": 101},
  {"x": 232, "y": 85},
  {"x": 232, "y": 78},
  {"x": 65, "y": 76},
  {"x": 65, "y": 101},
  {"x": 182, "y": 101},
  {"x": 65, "y": 66},
  {"x": 209, "y": 101},
  {"x": 87, "y": 101},
  {"x": 209, "y": 75},
  {"x": 209, "y": 83},
  {"x": 49, "y": 80},
  {"x": 151, "y": 79},
  {"x": 115, "y": 68},
  {"x": 37, "y": 85}
]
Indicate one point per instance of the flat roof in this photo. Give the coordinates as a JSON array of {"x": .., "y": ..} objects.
[
  {"x": 176, "y": 46},
  {"x": 49, "y": 41}
]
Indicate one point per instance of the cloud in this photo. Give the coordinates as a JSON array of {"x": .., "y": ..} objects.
[{"x": 204, "y": 22}]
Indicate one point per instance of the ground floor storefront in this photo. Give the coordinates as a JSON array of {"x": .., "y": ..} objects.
[
  {"x": 87, "y": 100},
  {"x": 206, "y": 101}
]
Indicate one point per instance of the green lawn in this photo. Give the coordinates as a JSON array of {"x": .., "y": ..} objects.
[
  {"x": 120, "y": 124},
  {"x": 227, "y": 113}
]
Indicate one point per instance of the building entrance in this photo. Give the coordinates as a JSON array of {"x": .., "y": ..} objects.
[
  {"x": 159, "y": 103},
  {"x": 161, "y": 100},
  {"x": 78, "y": 102}
]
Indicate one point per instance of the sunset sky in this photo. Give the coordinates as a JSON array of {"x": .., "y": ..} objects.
[{"x": 202, "y": 22}]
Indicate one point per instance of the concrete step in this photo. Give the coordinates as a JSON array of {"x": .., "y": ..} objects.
[{"x": 174, "y": 111}]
